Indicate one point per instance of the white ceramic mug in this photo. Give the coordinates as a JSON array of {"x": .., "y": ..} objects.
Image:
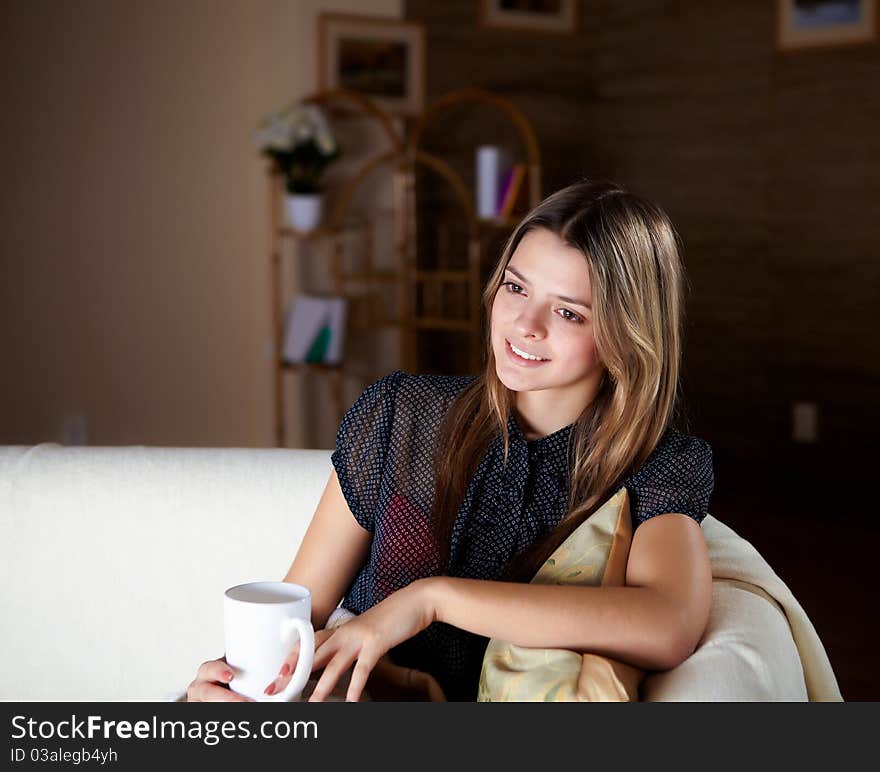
[{"x": 262, "y": 621}]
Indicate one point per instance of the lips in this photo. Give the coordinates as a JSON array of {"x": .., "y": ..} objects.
[{"x": 518, "y": 360}]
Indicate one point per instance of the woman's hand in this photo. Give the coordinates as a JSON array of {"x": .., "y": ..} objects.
[
  {"x": 362, "y": 641},
  {"x": 211, "y": 684},
  {"x": 365, "y": 639}
]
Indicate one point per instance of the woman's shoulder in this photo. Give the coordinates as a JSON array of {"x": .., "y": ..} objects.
[
  {"x": 678, "y": 444},
  {"x": 677, "y": 454},
  {"x": 419, "y": 391},
  {"x": 427, "y": 386},
  {"x": 677, "y": 476},
  {"x": 407, "y": 399}
]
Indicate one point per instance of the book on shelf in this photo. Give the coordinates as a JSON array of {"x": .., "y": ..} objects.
[
  {"x": 505, "y": 186},
  {"x": 512, "y": 191},
  {"x": 315, "y": 330}
]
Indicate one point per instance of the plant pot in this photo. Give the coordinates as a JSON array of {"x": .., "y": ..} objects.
[{"x": 304, "y": 210}]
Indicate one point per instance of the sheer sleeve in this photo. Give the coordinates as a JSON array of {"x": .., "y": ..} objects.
[
  {"x": 362, "y": 448},
  {"x": 677, "y": 477}
]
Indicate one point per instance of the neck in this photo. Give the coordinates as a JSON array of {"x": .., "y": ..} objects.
[{"x": 540, "y": 413}]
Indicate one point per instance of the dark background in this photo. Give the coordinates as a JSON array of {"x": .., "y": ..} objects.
[{"x": 768, "y": 163}]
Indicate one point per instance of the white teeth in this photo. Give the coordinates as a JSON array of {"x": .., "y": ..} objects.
[{"x": 524, "y": 355}]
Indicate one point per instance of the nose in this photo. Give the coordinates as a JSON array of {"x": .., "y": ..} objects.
[{"x": 529, "y": 325}]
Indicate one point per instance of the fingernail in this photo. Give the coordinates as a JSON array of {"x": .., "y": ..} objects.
[
  {"x": 285, "y": 669},
  {"x": 270, "y": 689},
  {"x": 227, "y": 675}
]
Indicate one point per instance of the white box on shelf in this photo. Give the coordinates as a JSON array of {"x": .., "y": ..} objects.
[{"x": 492, "y": 163}]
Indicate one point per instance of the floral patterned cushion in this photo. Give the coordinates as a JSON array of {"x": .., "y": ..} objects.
[{"x": 595, "y": 554}]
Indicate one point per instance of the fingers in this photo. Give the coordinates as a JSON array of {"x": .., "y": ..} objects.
[
  {"x": 334, "y": 669},
  {"x": 430, "y": 687},
  {"x": 359, "y": 677},
  {"x": 335, "y": 657},
  {"x": 364, "y": 663},
  {"x": 204, "y": 691},
  {"x": 210, "y": 684},
  {"x": 289, "y": 665},
  {"x": 215, "y": 670}
]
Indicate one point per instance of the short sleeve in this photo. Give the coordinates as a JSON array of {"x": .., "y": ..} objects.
[
  {"x": 677, "y": 477},
  {"x": 363, "y": 447}
]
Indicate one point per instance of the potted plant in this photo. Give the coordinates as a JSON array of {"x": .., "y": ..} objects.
[{"x": 298, "y": 139}]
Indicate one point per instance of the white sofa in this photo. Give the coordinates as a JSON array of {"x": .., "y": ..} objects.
[{"x": 114, "y": 562}]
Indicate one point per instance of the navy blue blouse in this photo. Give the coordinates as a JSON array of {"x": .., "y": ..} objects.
[{"x": 384, "y": 459}]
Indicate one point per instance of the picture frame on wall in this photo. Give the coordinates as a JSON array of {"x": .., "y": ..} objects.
[
  {"x": 382, "y": 58},
  {"x": 531, "y": 15},
  {"x": 819, "y": 23}
]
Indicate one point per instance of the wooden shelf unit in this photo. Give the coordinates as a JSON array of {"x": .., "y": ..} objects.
[{"x": 421, "y": 300}]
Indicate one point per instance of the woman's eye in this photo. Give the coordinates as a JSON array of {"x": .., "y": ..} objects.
[{"x": 569, "y": 316}]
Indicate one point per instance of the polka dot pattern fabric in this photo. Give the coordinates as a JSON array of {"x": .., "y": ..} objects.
[{"x": 384, "y": 459}]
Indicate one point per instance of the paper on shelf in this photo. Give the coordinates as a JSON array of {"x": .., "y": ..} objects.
[
  {"x": 315, "y": 330},
  {"x": 336, "y": 313}
]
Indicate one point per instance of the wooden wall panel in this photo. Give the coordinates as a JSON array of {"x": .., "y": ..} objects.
[{"x": 768, "y": 163}]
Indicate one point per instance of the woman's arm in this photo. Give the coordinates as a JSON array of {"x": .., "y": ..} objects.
[
  {"x": 655, "y": 622},
  {"x": 333, "y": 550}
]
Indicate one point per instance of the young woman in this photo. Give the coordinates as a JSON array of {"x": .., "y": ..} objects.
[{"x": 448, "y": 493}]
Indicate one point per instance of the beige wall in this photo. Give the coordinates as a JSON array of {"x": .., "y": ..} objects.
[{"x": 133, "y": 219}]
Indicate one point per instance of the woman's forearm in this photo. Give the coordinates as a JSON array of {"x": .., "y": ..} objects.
[{"x": 637, "y": 625}]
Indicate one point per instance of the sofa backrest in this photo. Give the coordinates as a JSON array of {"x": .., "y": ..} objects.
[
  {"x": 114, "y": 561},
  {"x": 113, "y": 564}
]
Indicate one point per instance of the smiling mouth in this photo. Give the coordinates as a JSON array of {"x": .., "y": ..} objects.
[{"x": 523, "y": 356}]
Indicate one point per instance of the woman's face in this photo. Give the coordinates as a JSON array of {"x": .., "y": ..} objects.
[{"x": 543, "y": 309}]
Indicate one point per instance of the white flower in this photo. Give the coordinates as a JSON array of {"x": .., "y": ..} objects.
[
  {"x": 326, "y": 143},
  {"x": 273, "y": 133},
  {"x": 293, "y": 125}
]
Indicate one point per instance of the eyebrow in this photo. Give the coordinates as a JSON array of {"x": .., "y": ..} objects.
[{"x": 575, "y": 301}]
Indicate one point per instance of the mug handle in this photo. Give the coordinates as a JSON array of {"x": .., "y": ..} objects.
[{"x": 304, "y": 663}]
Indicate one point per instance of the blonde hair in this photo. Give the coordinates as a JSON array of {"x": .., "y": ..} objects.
[{"x": 632, "y": 254}]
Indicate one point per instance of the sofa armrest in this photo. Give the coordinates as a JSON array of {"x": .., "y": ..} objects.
[{"x": 747, "y": 654}]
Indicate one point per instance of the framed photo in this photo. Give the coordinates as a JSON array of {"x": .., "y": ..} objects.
[
  {"x": 531, "y": 15},
  {"x": 382, "y": 58},
  {"x": 815, "y": 23}
]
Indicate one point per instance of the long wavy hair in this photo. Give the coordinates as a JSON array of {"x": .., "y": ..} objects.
[{"x": 632, "y": 253}]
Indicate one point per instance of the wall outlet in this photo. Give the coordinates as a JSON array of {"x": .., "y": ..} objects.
[
  {"x": 75, "y": 430},
  {"x": 805, "y": 422}
]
